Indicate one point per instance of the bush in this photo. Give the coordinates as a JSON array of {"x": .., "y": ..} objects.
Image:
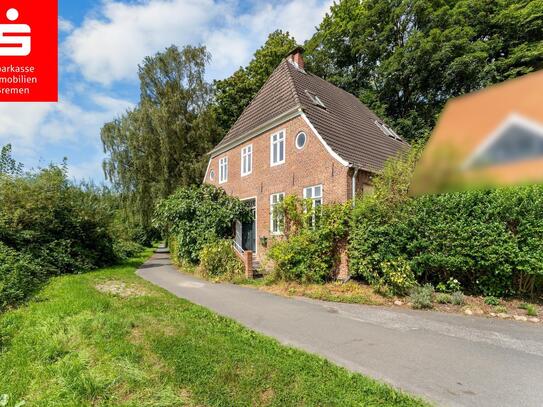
[
  {"x": 421, "y": 297},
  {"x": 458, "y": 298},
  {"x": 195, "y": 216},
  {"x": 397, "y": 275},
  {"x": 217, "y": 259},
  {"x": 124, "y": 249},
  {"x": 309, "y": 251},
  {"x": 531, "y": 310},
  {"x": 491, "y": 300},
  {"x": 444, "y": 298},
  {"x": 51, "y": 226},
  {"x": 482, "y": 241},
  {"x": 20, "y": 276}
]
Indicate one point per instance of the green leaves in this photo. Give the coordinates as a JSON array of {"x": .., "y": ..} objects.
[
  {"x": 161, "y": 144},
  {"x": 406, "y": 58},
  {"x": 196, "y": 216}
]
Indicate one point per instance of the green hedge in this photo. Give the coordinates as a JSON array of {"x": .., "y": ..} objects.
[
  {"x": 491, "y": 241},
  {"x": 195, "y": 216}
]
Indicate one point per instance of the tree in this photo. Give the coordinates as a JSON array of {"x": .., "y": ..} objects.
[
  {"x": 161, "y": 144},
  {"x": 406, "y": 58},
  {"x": 8, "y": 165},
  {"x": 233, "y": 94}
]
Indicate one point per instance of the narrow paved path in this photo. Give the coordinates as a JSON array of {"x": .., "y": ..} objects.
[{"x": 452, "y": 360}]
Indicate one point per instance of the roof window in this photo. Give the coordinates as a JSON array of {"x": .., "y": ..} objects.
[
  {"x": 387, "y": 130},
  {"x": 315, "y": 99}
]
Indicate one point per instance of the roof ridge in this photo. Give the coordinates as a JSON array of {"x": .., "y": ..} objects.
[
  {"x": 291, "y": 81},
  {"x": 254, "y": 98}
]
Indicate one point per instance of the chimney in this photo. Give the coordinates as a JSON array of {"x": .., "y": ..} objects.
[{"x": 296, "y": 57}]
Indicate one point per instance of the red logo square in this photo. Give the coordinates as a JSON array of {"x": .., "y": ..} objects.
[{"x": 29, "y": 51}]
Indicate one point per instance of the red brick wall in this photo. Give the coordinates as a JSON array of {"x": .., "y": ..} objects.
[{"x": 310, "y": 166}]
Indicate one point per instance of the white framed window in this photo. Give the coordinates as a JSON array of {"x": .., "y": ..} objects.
[
  {"x": 223, "y": 170},
  {"x": 246, "y": 160},
  {"x": 277, "y": 148},
  {"x": 315, "y": 194},
  {"x": 301, "y": 139},
  {"x": 212, "y": 175},
  {"x": 276, "y": 220}
]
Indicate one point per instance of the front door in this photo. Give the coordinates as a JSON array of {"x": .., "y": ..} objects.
[{"x": 248, "y": 229}]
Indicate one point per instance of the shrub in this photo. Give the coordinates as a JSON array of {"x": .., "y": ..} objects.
[
  {"x": 20, "y": 276},
  {"x": 198, "y": 215},
  {"x": 500, "y": 309},
  {"x": 125, "y": 249},
  {"x": 491, "y": 300},
  {"x": 217, "y": 259},
  {"x": 309, "y": 251},
  {"x": 458, "y": 298},
  {"x": 444, "y": 298},
  {"x": 421, "y": 297},
  {"x": 531, "y": 310},
  {"x": 398, "y": 276},
  {"x": 481, "y": 241}
]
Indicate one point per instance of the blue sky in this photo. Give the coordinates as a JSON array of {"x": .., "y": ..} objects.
[{"x": 101, "y": 43}]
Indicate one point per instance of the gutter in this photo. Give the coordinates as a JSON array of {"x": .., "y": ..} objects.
[{"x": 355, "y": 174}]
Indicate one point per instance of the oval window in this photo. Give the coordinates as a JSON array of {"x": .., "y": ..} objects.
[
  {"x": 301, "y": 138},
  {"x": 212, "y": 175}
]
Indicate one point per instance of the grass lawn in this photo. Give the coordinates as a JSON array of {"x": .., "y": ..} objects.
[{"x": 110, "y": 338}]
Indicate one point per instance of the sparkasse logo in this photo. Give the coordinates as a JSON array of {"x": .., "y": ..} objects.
[{"x": 29, "y": 51}]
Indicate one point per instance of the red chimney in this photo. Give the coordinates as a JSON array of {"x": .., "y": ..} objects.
[{"x": 296, "y": 57}]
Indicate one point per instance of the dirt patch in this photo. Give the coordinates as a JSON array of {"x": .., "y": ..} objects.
[
  {"x": 350, "y": 292},
  {"x": 121, "y": 289},
  {"x": 357, "y": 293},
  {"x": 266, "y": 397}
]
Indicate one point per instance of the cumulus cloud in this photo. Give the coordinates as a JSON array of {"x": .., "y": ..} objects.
[{"x": 109, "y": 45}]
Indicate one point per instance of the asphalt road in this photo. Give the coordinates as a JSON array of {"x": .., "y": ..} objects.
[{"x": 451, "y": 360}]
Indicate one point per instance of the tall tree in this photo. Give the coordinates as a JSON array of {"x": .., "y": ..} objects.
[
  {"x": 161, "y": 144},
  {"x": 406, "y": 58},
  {"x": 8, "y": 165},
  {"x": 234, "y": 93}
]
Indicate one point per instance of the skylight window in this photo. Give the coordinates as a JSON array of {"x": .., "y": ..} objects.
[
  {"x": 315, "y": 99},
  {"x": 387, "y": 130}
]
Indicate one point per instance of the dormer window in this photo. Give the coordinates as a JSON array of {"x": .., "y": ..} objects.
[
  {"x": 387, "y": 130},
  {"x": 315, "y": 99}
]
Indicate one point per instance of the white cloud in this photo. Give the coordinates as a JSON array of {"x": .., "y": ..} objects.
[
  {"x": 109, "y": 46},
  {"x": 65, "y": 26}
]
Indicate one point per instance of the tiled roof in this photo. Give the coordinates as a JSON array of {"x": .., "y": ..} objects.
[{"x": 345, "y": 123}]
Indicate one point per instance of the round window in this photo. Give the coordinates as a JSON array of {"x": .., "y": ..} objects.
[
  {"x": 301, "y": 138},
  {"x": 212, "y": 175}
]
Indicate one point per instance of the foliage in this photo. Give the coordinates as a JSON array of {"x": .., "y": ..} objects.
[
  {"x": 234, "y": 93},
  {"x": 500, "y": 309},
  {"x": 125, "y": 249},
  {"x": 451, "y": 286},
  {"x": 443, "y": 298},
  {"x": 218, "y": 260},
  {"x": 531, "y": 310},
  {"x": 8, "y": 165},
  {"x": 197, "y": 215},
  {"x": 491, "y": 300},
  {"x": 421, "y": 297},
  {"x": 397, "y": 275},
  {"x": 406, "y": 58},
  {"x": 20, "y": 276},
  {"x": 81, "y": 347},
  {"x": 458, "y": 298},
  {"x": 161, "y": 144},
  {"x": 51, "y": 226},
  {"x": 487, "y": 240},
  {"x": 309, "y": 250}
]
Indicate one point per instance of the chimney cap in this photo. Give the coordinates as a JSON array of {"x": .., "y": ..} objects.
[{"x": 297, "y": 50}]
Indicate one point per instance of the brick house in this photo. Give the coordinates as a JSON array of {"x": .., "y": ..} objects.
[{"x": 299, "y": 135}]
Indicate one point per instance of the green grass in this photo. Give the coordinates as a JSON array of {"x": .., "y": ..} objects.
[{"x": 76, "y": 346}]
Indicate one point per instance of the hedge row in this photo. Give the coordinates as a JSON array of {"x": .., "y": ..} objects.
[{"x": 491, "y": 241}]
